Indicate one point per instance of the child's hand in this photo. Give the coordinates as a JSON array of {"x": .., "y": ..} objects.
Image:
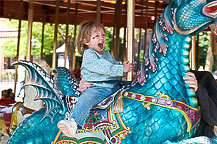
[
  {"x": 83, "y": 85},
  {"x": 129, "y": 66}
]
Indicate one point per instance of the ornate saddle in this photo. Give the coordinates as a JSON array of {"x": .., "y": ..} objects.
[{"x": 71, "y": 101}]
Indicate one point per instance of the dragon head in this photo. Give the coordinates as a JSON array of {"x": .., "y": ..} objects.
[{"x": 192, "y": 16}]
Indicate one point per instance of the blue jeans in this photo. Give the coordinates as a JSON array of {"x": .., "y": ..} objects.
[{"x": 92, "y": 96}]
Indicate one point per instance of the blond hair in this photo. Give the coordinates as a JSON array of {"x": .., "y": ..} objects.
[{"x": 85, "y": 31}]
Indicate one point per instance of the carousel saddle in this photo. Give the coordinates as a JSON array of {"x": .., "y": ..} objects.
[
  {"x": 107, "y": 102},
  {"x": 71, "y": 101}
]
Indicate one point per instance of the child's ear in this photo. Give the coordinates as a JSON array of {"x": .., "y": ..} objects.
[{"x": 86, "y": 42}]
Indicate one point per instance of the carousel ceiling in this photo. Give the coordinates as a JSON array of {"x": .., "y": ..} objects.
[{"x": 80, "y": 10}]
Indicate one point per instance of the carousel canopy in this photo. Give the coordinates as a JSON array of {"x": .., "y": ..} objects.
[{"x": 80, "y": 10}]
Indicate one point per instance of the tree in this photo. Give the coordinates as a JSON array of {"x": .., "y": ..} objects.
[{"x": 10, "y": 46}]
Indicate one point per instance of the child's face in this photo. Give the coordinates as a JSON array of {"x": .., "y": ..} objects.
[{"x": 97, "y": 40}]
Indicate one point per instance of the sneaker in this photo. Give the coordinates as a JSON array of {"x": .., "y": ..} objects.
[{"x": 68, "y": 127}]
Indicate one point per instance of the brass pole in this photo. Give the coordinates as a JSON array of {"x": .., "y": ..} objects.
[
  {"x": 193, "y": 53},
  {"x": 18, "y": 44},
  {"x": 197, "y": 52},
  {"x": 125, "y": 35},
  {"x": 146, "y": 28},
  {"x": 75, "y": 30},
  {"x": 212, "y": 42},
  {"x": 116, "y": 30},
  {"x": 55, "y": 34},
  {"x": 67, "y": 32},
  {"x": 42, "y": 39},
  {"x": 213, "y": 47},
  {"x": 155, "y": 11},
  {"x": 29, "y": 33},
  {"x": 140, "y": 34},
  {"x": 130, "y": 34},
  {"x": 98, "y": 11}
]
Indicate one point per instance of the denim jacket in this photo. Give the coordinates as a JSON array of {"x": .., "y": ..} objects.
[{"x": 96, "y": 67}]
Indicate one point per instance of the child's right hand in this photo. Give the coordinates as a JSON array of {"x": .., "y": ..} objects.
[
  {"x": 129, "y": 66},
  {"x": 83, "y": 85}
]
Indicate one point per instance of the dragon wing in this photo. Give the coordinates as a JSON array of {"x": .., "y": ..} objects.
[{"x": 47, "y": 91}]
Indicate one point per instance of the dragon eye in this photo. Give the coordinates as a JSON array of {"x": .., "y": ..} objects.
[{"x": 210, "y": 10}]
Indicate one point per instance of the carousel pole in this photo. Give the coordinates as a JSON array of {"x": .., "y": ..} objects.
[
  {"x": 197, "y": 51},
  {"x": 67, "y": 33},
  {"x": 55, "y": 34},
  {"x": 213, "y": 44},
  {"x": 155, "y": 11},
  {"x": 192, "y": 63},
  {"x": 116, "y": 30},
  {"x": 29, "y": 33},
  {"x": 45, "y": 12},
  {"x": 140, "y": 35},
  {"x": 124, "y": 55},
  {"x": 42, "y": 39},
  {"x": 98, "y": 11},
  {"x": 18, "y": 43},
  {"x": 146, "y": 28},
  {"x": 130, "y": 34},
  {"x": 75, "y": 30}
]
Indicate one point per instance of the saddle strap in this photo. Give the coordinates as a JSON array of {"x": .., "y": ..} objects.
[{"x": 191, "y": 114}]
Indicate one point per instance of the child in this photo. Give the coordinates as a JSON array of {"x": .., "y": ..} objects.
[{"x": 97, "y": 65}]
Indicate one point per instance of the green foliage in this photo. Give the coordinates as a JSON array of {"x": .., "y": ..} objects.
[
  {"x": 203, "y": 47},
  {"x": 9, "y": 49},
  {"x": 108, "y": 44},
  {"x": 204, "y": 44},
  {"x": 10, "y": 46}
]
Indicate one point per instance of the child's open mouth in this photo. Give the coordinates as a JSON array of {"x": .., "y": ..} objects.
[{"x": 100, "y": 45}]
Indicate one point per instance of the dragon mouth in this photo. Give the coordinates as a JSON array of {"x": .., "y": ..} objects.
[{"x": 210, "y": 10}]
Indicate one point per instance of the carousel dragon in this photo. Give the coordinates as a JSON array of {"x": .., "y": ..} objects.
[{"x": 158, "y": 108}]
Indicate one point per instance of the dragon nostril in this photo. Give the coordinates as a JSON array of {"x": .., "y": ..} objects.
[{"x": 210, "y": 10}]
